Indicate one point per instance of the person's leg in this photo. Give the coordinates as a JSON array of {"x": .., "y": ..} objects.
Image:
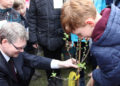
[
  {"x": 54, "y": 81},
  {"x": 54, "y": 55},
  {"x": 30, "y": 49},
  {"x": 82, "y": 80}
]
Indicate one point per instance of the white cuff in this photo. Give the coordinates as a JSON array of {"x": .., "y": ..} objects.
[{"x": 54, "y": 64}]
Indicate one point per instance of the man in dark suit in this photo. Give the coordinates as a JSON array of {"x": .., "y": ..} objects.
[{"x": 14, "y": 61}]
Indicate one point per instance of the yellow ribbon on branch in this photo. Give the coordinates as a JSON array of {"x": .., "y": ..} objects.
[{"x": 73, "y": 78}]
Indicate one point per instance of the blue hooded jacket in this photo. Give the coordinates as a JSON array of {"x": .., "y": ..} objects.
[{"x": 107, "y": 52}]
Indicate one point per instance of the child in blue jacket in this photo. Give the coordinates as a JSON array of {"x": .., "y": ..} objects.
[{"x": 81, "y": 18}]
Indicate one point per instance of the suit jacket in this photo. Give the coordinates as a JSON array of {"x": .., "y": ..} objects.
[{"x": 23, "y": 61}]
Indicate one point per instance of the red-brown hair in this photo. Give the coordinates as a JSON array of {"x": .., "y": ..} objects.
[{"x": 75, "y": 12}]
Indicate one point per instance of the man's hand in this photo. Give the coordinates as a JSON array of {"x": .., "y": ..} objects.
[
  {"x": 68, "y": 63},
  {"x": 35, "y": 45}
]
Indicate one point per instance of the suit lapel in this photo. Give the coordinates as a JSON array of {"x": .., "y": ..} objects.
[{"x": 4, "y": 66}]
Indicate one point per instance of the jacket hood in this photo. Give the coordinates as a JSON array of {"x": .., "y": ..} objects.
[
  {"x": 107, "y": 52},
  {"x": 112, "y": 31}
]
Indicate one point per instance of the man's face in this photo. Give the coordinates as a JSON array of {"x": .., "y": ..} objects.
[
  {"x": 84, "y": 32},
  {"x": 13, "y": 49},
  {"x": 4, "y": 4}
]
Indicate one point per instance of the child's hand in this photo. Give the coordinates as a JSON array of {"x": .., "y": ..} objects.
[
  {"x": 91, "y": 80},
  {"x": 90, "y": 74}
]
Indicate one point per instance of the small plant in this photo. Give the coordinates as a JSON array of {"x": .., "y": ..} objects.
[
  {"x": 80, "y": 56},
  {"x": 82, "y": 65},
  {"x": 53, "y": 74}
]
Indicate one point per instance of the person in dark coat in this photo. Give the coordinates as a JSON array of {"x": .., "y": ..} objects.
[
  {"x": 45, "y": 30},
  {"x": 83, "y": 20},
  {"x": 13, "y": 59}
]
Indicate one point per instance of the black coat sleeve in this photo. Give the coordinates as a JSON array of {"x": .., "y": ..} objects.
[
  {"x": 34, "y": 61},
  {"x": 31, "y": 18}
]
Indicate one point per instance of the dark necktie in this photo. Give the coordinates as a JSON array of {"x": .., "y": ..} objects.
[{"x": 11, "y": 64}]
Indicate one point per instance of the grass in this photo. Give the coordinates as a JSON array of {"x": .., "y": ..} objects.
[{"x": 42, "y": 81}]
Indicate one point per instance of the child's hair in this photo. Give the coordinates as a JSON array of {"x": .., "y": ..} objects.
[
  {"x": 75, "y": 12},
  {"x": 17, "y": 3}
]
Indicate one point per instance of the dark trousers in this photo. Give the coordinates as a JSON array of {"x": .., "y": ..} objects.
[{"x": 54, "y": 55}]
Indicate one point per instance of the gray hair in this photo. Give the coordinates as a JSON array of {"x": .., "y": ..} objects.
[{"x": 12, "y": 31}]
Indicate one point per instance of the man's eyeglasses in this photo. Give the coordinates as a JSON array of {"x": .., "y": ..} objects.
[{"x": 18, "y": 48}]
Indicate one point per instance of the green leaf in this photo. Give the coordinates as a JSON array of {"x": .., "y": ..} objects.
[
  {"x": 66, "y": 35},
  {"x": 82, "y": 65},
  {"x": 53, "y": 74},
  {"x": 64, "y": 38}
]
